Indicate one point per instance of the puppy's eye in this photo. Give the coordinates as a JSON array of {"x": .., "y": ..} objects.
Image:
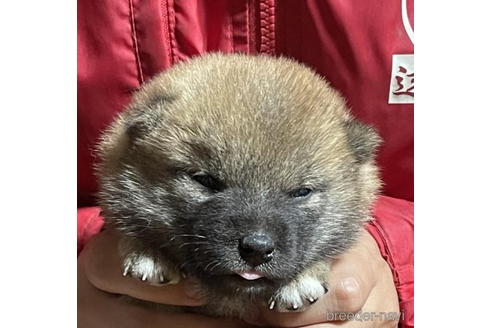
[
  {"x": 301, "y": 192},
  {"x": 208, "y": 181}
]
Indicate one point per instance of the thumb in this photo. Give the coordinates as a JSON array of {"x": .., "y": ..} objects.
[{"x": 353, "y": 276}]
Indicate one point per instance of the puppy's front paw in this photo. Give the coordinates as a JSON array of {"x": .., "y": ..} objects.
[
  {"x": 298, "y": 295},
  {"x": 150, "y": 270}
]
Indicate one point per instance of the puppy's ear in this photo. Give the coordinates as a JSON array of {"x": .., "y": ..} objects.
[
  {"x": 363, "y": 140},
  {"x": 141, "y": 122}
]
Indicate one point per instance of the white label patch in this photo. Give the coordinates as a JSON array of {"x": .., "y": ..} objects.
[{"x": 402, "y": 80}]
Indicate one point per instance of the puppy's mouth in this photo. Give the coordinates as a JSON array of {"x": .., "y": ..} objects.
[
  {"x": 250, "y": 274},
  {"x": 248, "y": 279}
]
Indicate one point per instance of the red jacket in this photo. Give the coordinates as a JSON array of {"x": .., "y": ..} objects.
[{"x": 121, "y": 44}]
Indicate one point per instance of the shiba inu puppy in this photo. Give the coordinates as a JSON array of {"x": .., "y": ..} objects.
[{"x": 246, "y": 172}]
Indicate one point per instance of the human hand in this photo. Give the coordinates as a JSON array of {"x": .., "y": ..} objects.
[
  {"x": 100, "y": 284},
  {"x": 360, "y": 280}
]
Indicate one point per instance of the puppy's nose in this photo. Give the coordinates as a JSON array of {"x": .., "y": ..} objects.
[{"x": 256, "y": 248}]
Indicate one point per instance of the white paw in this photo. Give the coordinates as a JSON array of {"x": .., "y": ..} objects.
[
  {"x": 149, "y": 270},
  {"x": 298, "y": 295}
]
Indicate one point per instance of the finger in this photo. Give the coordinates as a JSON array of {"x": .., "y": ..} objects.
[
  {"x": 98, "y": 309},
  {"x": 353, "y": 276},
  {"x": 348, "y": 288},
  {"x": 102, "y": 265}
]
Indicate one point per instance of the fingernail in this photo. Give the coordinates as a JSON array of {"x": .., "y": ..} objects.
[
  {"x": 192, "y": 289},
  {"x": 350, "y": 285}
]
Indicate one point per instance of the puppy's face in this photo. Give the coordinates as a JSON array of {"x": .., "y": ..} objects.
[{"x": 243, "y": 171}]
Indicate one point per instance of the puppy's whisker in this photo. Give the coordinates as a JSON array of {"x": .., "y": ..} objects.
[
  {"x": 187, "y": 235},
  {"x": 192, "y": 243},
  {"x": 210, "y": 264},
  {"x": 215, "y": 266}
]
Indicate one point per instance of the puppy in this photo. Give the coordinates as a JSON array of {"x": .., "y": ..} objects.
[{"x": 246, "y": 172}]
